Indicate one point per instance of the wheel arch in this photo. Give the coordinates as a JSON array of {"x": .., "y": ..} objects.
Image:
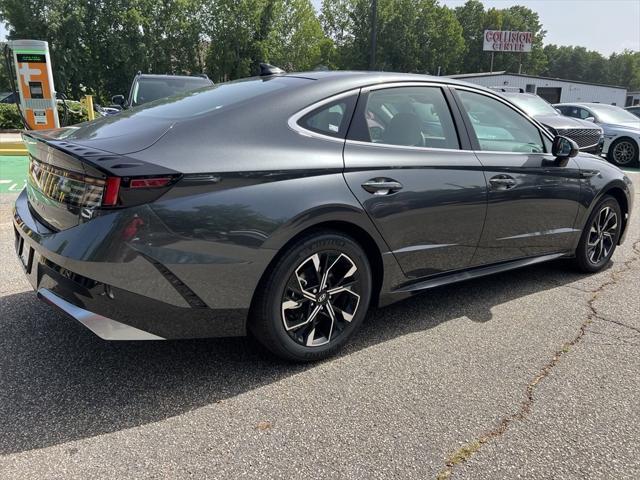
[
  {"x": 359, "y": 234},
  {"x": 620, "y": 196},
  {"x": 617, "y": 190}
]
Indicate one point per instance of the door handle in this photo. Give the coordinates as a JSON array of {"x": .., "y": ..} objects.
[
  {"x": 382, "y": 186},
  {"x": 502, "y": 182}
]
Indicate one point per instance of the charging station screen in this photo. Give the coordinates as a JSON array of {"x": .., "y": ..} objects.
[{"x": 31, "y": 58}]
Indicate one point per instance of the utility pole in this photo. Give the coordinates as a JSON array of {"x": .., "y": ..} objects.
[{"x": 374, "y": 34}]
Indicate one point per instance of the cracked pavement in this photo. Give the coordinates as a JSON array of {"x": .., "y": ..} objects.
[{"x": 552, "y": 352}]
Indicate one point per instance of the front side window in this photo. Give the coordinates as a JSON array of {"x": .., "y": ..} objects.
[
  {"x": 498, "y": 127},
  {"x": 407, "y": 116}
]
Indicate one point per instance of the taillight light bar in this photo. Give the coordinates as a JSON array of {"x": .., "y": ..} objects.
[
  {"x": 114, "y": 184},
  {"x": 149, "y": 182}
]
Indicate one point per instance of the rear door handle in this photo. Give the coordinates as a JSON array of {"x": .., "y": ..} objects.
[
  {"x": 502, "y": 182},
  {"x": 382, "y": 186}
]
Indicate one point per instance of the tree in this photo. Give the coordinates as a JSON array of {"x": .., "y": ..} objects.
[
  {"x": 413, "y": 35},
  {"x": 471, "y": 17}
]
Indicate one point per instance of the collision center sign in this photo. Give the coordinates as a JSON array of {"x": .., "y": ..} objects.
[{"x": 507, "y": 41}]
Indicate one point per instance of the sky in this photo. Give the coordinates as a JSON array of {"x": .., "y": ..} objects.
[{"x": 606, "y": 26}]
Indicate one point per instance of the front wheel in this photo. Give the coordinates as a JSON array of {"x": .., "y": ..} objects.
[
  {"x": 623, "y": 153},
  {"x": 600, "y": 236},
  {"x": 314, "y": 298}
]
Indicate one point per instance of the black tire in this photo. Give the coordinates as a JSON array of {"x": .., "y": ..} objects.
[
  {"x": 623, "y": 153},
  {"x": 589, "y": 257},
  {"x": 282, "y": 317}
]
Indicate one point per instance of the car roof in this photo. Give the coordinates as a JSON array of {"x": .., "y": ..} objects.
[
  {"x": 586, "y": 104},
  {"x": 516, "y": 94},
  {"x": 163, "y": 76},
  {"x": 356, "y": 78}
]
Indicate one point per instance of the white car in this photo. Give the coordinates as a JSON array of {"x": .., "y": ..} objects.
[{"x": 621, "y": 129}]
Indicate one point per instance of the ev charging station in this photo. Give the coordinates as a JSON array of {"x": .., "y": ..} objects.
[{"x": 32, "y": 65}]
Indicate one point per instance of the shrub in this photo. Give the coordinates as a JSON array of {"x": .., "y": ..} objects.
[{"x": 10, "y": 119}]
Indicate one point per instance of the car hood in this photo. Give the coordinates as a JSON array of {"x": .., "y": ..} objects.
[
  {"x": 560, "y": 122},
  {"x": 630, "y": 127},
  {"x": 113, "y": 133}
]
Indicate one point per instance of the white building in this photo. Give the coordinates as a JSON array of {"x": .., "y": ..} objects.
[
  {"x": 554, "y": 90},
  {"x": 633, "y": 99}
]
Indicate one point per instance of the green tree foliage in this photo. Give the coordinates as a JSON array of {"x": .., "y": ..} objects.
[
  {"x": 413, "y": 35},
  {"x": 97, "y": 46},
  {"x": 101, "y": 44},
  {"x": 578, "y": 63}
]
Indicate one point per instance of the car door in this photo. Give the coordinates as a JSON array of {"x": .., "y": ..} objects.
[
  {"x": 533, "y": 198},
  {"x": 404, "y": 163}
]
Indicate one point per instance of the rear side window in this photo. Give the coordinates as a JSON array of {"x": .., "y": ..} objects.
[
  {"x": 407, "y": 116},
  {"x": 498, "y": 127},
  {"x": 216, "y": 98},
  {"x": 331, "y": 119},
  {"x": 150, "y": 89}
]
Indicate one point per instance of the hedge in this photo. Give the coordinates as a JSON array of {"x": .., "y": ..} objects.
[{"x": 10, "y": 119}]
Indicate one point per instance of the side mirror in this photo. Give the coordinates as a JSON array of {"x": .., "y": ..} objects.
[
  {"x": 590, "y": 119},
  {"x": 119, "y": 100},
  {"x": 564, "y": 147},
  {"x": 558, "y": 110}
]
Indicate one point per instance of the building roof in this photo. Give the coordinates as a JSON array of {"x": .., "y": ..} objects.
[{"x": 504, "y": 72}]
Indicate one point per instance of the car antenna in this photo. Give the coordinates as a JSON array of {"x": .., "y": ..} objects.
[{"x": 266, "y": 70}]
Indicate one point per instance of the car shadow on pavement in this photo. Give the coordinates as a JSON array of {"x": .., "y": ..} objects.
[{"x": 59, "y": 382}]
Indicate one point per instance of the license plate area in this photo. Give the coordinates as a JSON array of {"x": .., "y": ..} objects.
[{"x": 25, "y": 253}]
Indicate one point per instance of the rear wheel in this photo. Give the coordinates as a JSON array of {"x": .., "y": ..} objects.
[
  {"x": 600, "y": 236},
  {"x": 623, "y": 152},
  {"x": 314, "y": 298}
]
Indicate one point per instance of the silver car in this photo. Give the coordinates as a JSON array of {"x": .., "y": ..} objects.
[{"x": 621, "y": 129}]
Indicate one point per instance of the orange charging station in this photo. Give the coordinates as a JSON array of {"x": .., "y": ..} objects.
[{"x": 35, "y": 83}]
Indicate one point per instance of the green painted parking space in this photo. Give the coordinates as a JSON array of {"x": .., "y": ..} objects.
[{"x": 13, "y": 173}]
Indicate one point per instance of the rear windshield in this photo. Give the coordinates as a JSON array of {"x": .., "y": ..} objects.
[
  {"x": 148, "y": 89},
  {"x": 216, "y": 97}
]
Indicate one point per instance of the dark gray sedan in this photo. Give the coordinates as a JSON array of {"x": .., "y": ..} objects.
[{"x": 286, "y": 205}]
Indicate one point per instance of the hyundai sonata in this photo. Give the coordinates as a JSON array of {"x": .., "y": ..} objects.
[{"x": 286, "y": 205}]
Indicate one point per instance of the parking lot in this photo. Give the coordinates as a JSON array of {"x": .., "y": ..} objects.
[{"x": 532, "y": 373}]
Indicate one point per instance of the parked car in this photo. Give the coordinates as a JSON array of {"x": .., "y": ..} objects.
[
  {"x": 147, "y": 88},
  {"x": 635, "y": 110},
  {"x": 8, "y": 97},
  {"x": 621, "y": 129},
  {"x": 287, "y": 205},
  {"x": 588, "y": 136}
]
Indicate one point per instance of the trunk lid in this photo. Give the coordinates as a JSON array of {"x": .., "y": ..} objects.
[{"x": 67, "y": 182}]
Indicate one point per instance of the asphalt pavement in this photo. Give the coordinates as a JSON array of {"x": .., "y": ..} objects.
[{"x": 527, "y": 374}]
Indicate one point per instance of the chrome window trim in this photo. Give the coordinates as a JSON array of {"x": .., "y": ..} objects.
[
  {"x": 404, "y": 147},
  {"x": 295, "y": 118}
]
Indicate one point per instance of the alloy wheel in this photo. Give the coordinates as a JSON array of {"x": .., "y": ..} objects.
[
  {"x": 602, "y": 234},
  {"x": 623, "y": 152},
  {"x": 321, "y": 298}
]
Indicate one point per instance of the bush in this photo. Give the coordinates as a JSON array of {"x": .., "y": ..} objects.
[{"x": 10, "y": 119}]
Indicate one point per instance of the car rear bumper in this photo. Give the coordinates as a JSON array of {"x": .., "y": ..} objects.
[{"x": 116, "y": 294}]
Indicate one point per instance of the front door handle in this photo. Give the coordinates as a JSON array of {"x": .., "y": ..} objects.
[
  {"x": 502, "y": 182},
  {"x": 382, "y": 186}
]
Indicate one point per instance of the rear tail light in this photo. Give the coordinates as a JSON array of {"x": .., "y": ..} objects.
[
  {"x": 149, "y": 182},
  {"x": 116, "y": 188},
  {"x": 111, "y": 189}
]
